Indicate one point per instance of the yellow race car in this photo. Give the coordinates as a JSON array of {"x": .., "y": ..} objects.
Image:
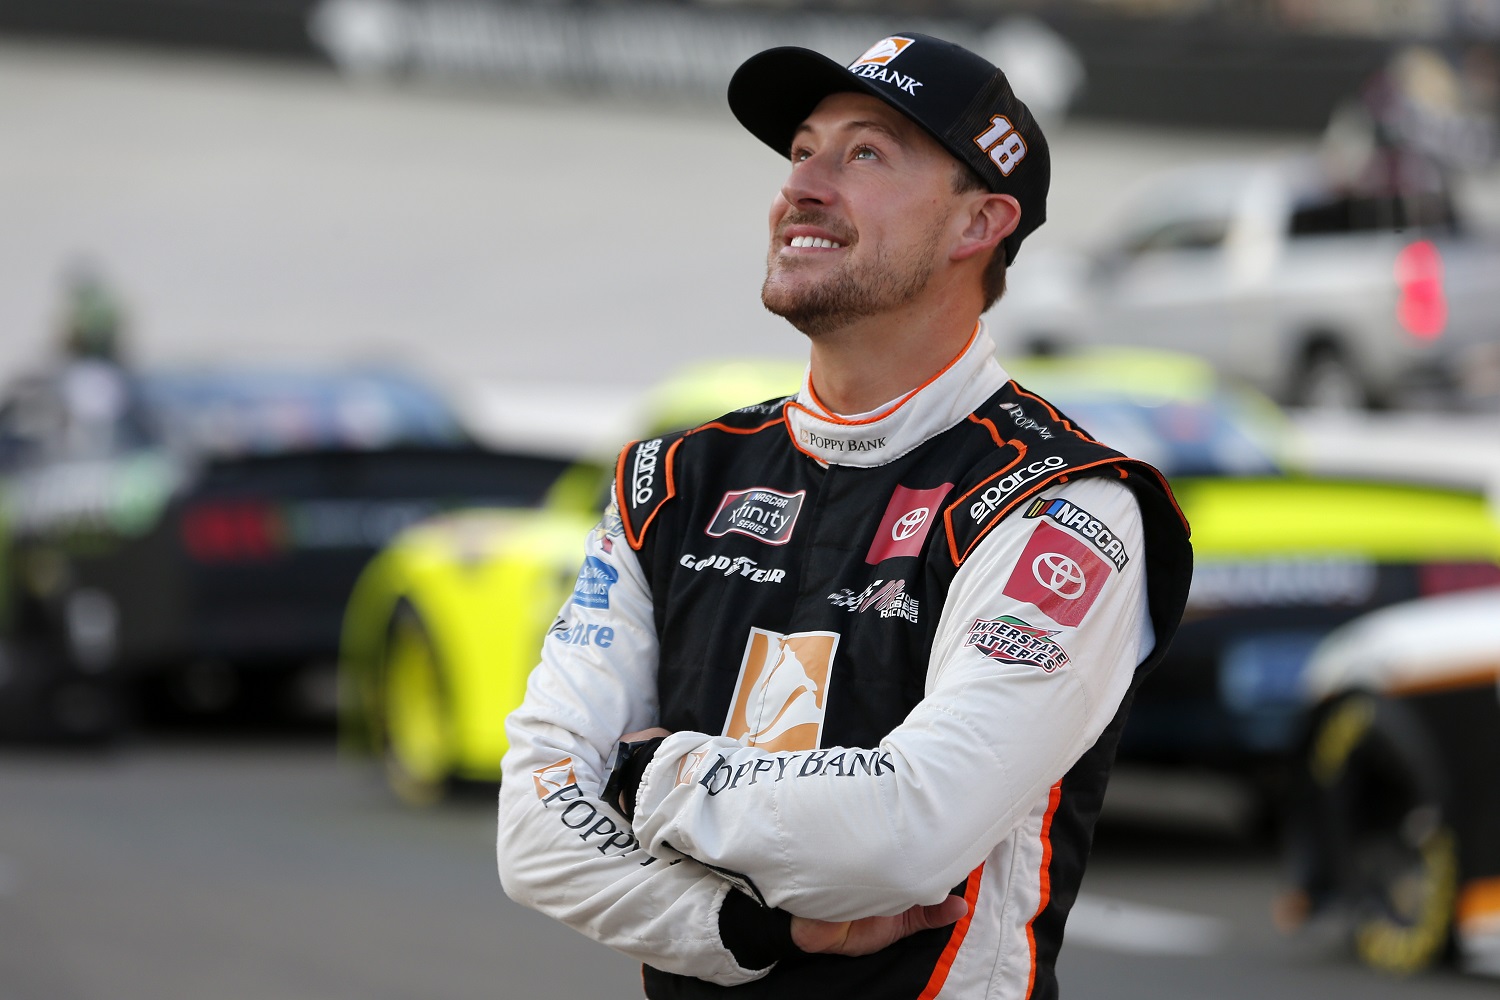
[{"x": 446, "y": 624}]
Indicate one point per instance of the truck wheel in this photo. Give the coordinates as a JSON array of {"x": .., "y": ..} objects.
[
  {"x": 418, "y": 726},
  {"x": 1379, "y": 795},
  {"x": 1326, "y": 379}
]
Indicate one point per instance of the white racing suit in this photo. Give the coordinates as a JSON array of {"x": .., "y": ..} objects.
[{"x": 895, "y": 654}]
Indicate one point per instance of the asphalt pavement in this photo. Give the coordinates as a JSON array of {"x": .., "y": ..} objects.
[{"x": 268, "y": 869}]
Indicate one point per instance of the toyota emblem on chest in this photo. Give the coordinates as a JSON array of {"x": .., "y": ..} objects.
[{"x": 909, "y": 524}]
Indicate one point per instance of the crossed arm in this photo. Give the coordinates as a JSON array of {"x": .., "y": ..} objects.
[{"x": 855, "y": 854}]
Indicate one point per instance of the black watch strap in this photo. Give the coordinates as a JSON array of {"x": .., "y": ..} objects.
[{"x": 625, "y": 776}]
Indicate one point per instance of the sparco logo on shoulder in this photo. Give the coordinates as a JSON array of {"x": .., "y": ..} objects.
[
  {"x": 1002, "y": 489},
  {"x": 644, "y": 472}
]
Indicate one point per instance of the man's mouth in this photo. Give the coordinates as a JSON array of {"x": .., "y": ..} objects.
[{"x": 814, "y": 242}]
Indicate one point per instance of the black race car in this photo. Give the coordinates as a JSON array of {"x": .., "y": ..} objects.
[{"x": 189, "y": 530}]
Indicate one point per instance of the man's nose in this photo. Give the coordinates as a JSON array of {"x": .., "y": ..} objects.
[{"x": 810, "y": 182}]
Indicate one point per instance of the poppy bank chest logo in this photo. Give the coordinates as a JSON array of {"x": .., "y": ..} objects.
[{"x": 781, "y": 696}]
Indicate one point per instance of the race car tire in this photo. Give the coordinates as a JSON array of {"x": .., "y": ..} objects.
[
  {"x": 1379, "y": 793},
  {"x": 419, "y": 736},
  {"x": 43, "y": 699},
  {"x": 1327, "y": 379}
]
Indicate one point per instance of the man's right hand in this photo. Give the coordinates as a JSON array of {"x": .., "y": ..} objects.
[{"x": 870, "y": 934}]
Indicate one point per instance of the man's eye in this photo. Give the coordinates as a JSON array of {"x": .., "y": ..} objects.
[
  {"x": 864, "y": 153},
  {"x": 798, "y": 155}
]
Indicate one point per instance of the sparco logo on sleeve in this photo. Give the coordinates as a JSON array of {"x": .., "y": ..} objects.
[
  {"x": 643, "y": 474},
  {"x": 781, "y": 695},
  {"x": 765, "y": 515},
  {"x": 1012, "y": 640},
  {"x": 1076, "y": 518},
  {"x": 997, "y": 493}
]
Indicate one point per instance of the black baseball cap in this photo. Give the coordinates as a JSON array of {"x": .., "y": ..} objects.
[{"x": 960, "y": 99}]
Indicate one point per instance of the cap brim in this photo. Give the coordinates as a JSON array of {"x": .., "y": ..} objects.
[{"x": 774, "y": 91}]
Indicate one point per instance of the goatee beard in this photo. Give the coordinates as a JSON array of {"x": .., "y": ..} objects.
[{"x": 847, "y": 295}]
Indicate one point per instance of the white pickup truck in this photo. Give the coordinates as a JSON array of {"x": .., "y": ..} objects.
[{"x": 1319, "y": 297}]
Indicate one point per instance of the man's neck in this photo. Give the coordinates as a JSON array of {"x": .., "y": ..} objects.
[{"x": 876, "y": 359}]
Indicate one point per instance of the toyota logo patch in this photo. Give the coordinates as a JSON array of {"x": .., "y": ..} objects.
[
  {"x": 909, "y": 524},
  {"x": 1060, "y": 575}
]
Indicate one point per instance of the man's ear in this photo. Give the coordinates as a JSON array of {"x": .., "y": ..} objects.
[{"x": 991, "y": 218}]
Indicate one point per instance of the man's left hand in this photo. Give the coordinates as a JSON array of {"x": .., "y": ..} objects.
[
  {"x": 870, "y": 934},
  {"x": 644, "y": 734}
]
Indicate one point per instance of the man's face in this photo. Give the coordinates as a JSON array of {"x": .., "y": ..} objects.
[{"x": 863, "y": 219}]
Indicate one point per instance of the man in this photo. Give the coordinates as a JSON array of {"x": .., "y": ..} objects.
[{"x": 882, "y": 633}]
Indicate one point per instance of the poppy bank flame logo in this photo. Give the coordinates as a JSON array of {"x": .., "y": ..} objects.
[
  {"x": 882, "y": 51},
  {"x": 781, "y": 696},
  {"x": 554, "y": 777}
]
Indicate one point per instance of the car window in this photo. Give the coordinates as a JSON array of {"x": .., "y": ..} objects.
[
  {"x": 270, "y": 413},
  {"x": 1204, "y": 233},
  {"x": 1357, "y": 213}
]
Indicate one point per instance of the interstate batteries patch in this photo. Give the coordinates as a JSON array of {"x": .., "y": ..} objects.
[{"x": 1012, "y": 640}]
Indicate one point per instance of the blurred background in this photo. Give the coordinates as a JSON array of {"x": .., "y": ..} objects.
[{"x": 323, "y": 319}]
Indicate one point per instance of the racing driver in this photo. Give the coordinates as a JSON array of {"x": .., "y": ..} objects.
[{"x": 832, "y": 707}]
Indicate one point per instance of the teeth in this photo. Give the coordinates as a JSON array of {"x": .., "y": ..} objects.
[{"x": 813, "y": 241}]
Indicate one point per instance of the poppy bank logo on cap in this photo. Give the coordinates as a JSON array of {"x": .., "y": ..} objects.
[
  {"x": 782, "y": 692},
  {"x": 882, "y": 52}
]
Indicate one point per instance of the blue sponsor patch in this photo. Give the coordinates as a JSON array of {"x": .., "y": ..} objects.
[{"x": 594, "y": 581}]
